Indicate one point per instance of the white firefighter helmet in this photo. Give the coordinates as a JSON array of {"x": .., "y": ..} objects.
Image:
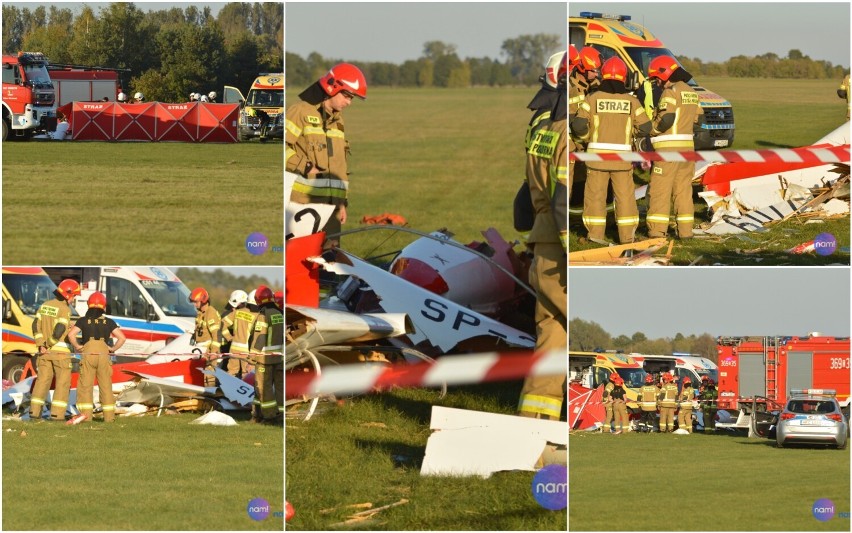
[
  {"x": 204, "y": 98},
  {"x": 193, "y": 97},
  {"x": 250, "y": 297},
  {"x": 139, "y": 96},
  {"x": 212, "y": 95},
  {"x": 238, "y": 297},
  {"x": 122, "y": 97},
  {"x": 555, "y": 63}
]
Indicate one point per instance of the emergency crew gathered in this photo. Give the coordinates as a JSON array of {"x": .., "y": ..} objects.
[
  {"x": 609, "y": 119},
  {"x": 207, "y": 324},
  {"x": 317, "y": 149}
]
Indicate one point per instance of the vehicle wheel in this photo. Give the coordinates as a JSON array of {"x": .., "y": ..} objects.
[
  {"x": 5, "y": 130},
  {"x": 13, "y": 367},
  {"x": 843, "y": 447}
]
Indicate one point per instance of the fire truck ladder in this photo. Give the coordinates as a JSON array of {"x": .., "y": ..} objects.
[{"x": 771, "y": 371}]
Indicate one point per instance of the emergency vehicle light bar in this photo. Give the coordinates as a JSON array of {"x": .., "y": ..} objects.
[
  {"x": 815, "y": 392},
  {"x": 591, "y": 15}
]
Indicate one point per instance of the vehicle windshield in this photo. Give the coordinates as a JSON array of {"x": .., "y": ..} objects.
[
  {"x": 643, "y": 57},
  {"x": 29, "y": 291},
  {"x": 266, "y": 98},
  {"x": 710, "y": 373},
  {"x": 171, "y": 296},
  {"x": 811, "y": 406},
  {"x": 37, "y": 73},
  {"x": 633, "y": 377}
]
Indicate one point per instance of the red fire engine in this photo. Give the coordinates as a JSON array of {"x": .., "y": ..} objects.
[
  {"x": 773, "y": 366},
  {"x": 76, "y": 83},
  {"x": 28, "y": 95}
]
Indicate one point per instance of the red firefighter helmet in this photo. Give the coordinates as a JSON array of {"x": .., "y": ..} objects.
[
  {"x": 649, "y": 378},
  {"x": 97, "y": 301},
  {"x": 199, "y": 295},
  {"x": 573, "y": 56},
  {"x": 618, "y": 380},
  {"x": 667, "y": 378},
  {"x": 590, "y": 59},
  {"x": 662, "y": 67},
  {"x": 687, "y": 381},
  {"x": 711, "y": 383},
  {"x": 279, "y": 299},
  {"x": 68, "y": 288},
  {"x": 263, "y": 295},
  {"x": 613, "y": 376},
  {"x": 344, "y": 77},
  {"x": 614, "y": 69}
]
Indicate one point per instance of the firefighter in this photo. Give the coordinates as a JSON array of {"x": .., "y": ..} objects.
[
  {"x": 584, "y": 78},
  {"x": 575, "y": 97},
  {"x": 122, "y": 97},
  {"x": 677, "y": 113},
  {"x": 609, "y": 119},
  {"x": 844, "y": 93},
  {"x": 607, "y": 401},
  {"x": 541, "y": 105},
  {"x": 619, "y": 406},
  {"x": 211, "y": 97},
  {"x": 96, "y": 330},
  {"x": 207, "y": 324},
  {"x": 317, "y": 149},
  {"x": 541, "y": 397},
  {"x": 50, "y": 333},
  {"x": 684, "y": 415},
  {"x": 236, "y": 329},
  {"x": 668, "y": 403},
  {"x": 266, "y": 347},
  {"x": 138, "y": 98},
  {"x": 648, "y": 395},
  {"x": 708, "y": 405}
]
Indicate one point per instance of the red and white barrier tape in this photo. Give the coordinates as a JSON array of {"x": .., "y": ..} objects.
[
  {"x": 805, "y": 154},
  {"x": 450, "y": 370}
]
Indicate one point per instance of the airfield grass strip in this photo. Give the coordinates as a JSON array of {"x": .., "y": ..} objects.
[
  {"x": 370, "y": 449},
  {"x": 144, "y": 473},
  {"x": 713, "y": 482},
  {"x": 140, "y": 203}
]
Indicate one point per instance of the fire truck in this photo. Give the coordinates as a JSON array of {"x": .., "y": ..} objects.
[
  {"x": 78, "y": 83},
  {"x": 768, "y": 368},
  {"x": 29, "y": 100}
]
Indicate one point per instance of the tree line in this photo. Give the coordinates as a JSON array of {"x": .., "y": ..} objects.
[
  {"x": 439, "y": 65},
  {"x": 586, "y": 336},
  {"x": 796, "y": 65},
  {"x": 169, "y": 53},
  {"x": 219, "y": 283}
]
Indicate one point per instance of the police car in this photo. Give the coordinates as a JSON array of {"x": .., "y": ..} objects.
[{"x": 812, "y": 416}]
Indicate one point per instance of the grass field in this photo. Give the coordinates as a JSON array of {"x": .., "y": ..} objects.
[
  {"x": 657, "y": 482},
  {"x": 370, "y": 449},
  {"x": 140, "y": 203},
  {"x": 140, "y": 474},
  {"x": 768, "y": 114}
]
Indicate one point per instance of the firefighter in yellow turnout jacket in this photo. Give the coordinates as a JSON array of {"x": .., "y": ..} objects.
[
  {"x": 648, "y": 402},
  {"x": 95, "y": 330},
  {"x": 668, "y": 403},
  {"x": 547, "y": 159},
  {"x": 50, "y": 332},
  {"x": 582, "y": 79},
  {"x": 609, "y": 119},
  {"x": 267, "y": 348},
  {"x": 684, "y": 414},
  {"x": 207, "y": 324},
  {"x": 317, "y": 149},
  {"x": 236, "y": 329},
  {"x": 676, "y": 114}
]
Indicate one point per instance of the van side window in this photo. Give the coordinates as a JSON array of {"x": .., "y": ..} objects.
[{"x": 123, "y": 299}]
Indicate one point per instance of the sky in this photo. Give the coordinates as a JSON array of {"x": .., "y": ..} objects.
[
  {"x": 717, "y": 31},
  {"x": 395, "y": 31},
  {"x": 721, "y": 301}
]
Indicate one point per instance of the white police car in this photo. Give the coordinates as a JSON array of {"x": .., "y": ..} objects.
[{"x": 812, "y": 416}]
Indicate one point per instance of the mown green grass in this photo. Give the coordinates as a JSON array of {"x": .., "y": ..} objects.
[
  {"x": 768, "y": 113},
  {"x": 449, "y": 158},
  {"x": 370, "y": 449},
  {"x": 140, "y": 474},
  {"x": 140, "y": 203},
  {"x": 658, "y": 482}
]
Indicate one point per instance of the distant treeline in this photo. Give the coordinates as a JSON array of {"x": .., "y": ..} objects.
[
  {"x": 170, "y": 53},
  {"x": 796, "y": 65},
  {"x": 590, "y": 336},
  {"x": 220, "y": 283},
  {"x": 440, "y": 66}
]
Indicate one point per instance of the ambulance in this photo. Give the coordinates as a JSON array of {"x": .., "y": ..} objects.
[
  {"x": 150, "y": 305},
  {"x": 591, "y": 369},
  {"x": 266, "y": 94},
  {"x": 680, "y": 366},
  {"x": 615, "y": 35}
]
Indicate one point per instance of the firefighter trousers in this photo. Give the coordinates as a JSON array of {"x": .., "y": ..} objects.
[
  {"x": 619, "y": 409},
  {"x": 94, "y": 366},
  {"x": 671, "y": 183},
  {"x": 49, "y": 366},
  {"x": 667, "y": 415},
  {"x": 684, "y": 418},
  {"x": 541, "y": 397},
  {"x": 608, "y": 417},
  {"x": 594, "y": 203},
  {"x": 269, "y": 386}
]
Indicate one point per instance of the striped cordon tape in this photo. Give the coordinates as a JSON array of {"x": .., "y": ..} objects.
[
  {"x": 449, "y": 370},
  {"x": 806, "y": 154}
]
